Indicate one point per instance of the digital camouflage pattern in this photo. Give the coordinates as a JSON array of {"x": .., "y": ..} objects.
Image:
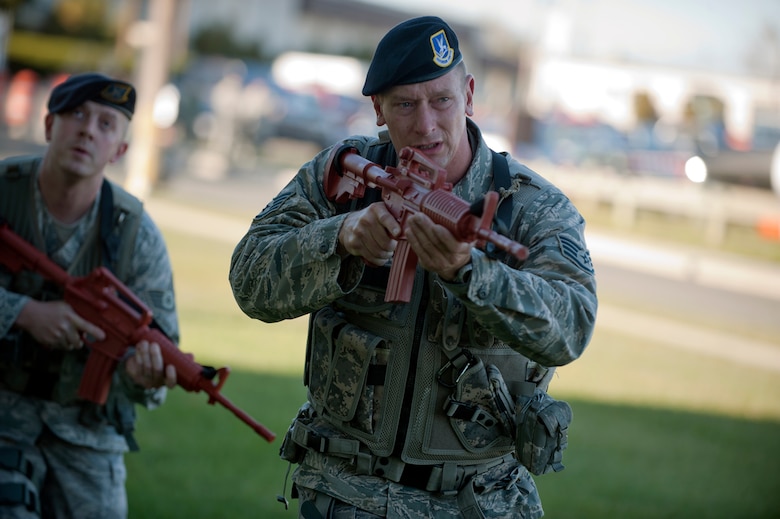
[
  {"x": 75, "y": 439},
  {"x": 286, "y": 265},
  {"x": 442, "y": 360},
  {"x": 502, "y": 493}
]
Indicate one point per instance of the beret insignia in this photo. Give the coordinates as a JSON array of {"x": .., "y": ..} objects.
[{"x": 442, "y": 52}]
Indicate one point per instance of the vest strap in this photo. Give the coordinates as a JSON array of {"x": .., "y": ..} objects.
[
  {"x": 472, "y": 413},
  {"x": 12, "y": 458},
  {"x": 447, "y": 478},
  {"x": 19, "y": 494},
  {"x": 467, "y": 502}
]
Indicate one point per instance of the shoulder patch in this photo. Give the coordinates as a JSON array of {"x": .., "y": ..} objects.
[{"x": 575, "y": 253}]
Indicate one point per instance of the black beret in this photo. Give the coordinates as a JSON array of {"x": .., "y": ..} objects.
[
  {"x": 77, "y": 89},
  {"x": 413, "y": 51}
]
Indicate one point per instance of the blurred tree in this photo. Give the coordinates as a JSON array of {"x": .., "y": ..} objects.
[
  {"x": 644, "y": 109},
  {"x": 87, "y": 19},
  {"x": 704, "y": 122},
  {"x": 217, "y": 39},
  {"x": 7, "y": 10},
  {"x": 49, "y": 36},
  {"x": 10, "y": 5},
  {"x": 83, "y": 17}
]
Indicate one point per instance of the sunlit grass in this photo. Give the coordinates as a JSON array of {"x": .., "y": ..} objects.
[{"x": 620, "y": 369}]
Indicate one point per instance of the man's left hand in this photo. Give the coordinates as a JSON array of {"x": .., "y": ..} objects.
[
  {"x": 145, "y": 367},
  {"x": 436, "y": 248}
]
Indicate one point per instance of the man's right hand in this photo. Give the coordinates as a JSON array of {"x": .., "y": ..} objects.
[
  {"x": 370, "y": 233},
  {"x": 56, "y": 325}
]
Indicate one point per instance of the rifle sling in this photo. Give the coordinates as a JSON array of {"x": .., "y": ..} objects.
[
  {"x": 109, "y": 240},
  {"x": 501, "y": 179}
]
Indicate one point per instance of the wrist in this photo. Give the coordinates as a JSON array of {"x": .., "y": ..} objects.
[{"x": 463, "y": 275}]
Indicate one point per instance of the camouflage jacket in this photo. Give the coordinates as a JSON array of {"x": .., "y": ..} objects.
[
  {"x": 148, "y": 275},
  {"x": 408, "y": 379}
]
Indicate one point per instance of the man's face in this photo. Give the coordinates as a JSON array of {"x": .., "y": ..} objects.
[
  {"x": 431, "y": 117},
  {"x": 87, "y": 138}
]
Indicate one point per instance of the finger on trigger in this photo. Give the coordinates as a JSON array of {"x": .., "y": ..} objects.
[{"x": 85, "y": 327}]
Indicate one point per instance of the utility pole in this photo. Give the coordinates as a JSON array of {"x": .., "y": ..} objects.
[{"x": 155, "y": 38}]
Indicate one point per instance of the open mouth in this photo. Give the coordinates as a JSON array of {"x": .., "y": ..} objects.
[
  {"x": 81, "y": 152},
  {"x": 427, "y": 147}
]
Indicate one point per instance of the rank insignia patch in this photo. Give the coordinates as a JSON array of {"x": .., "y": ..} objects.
[{"x": 576, "y": 253}]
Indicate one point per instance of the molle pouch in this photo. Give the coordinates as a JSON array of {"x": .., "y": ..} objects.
[
  {"x": 472, "y": 410},
  {"x": 503, "y": 399},
  {"x": 291, "y": 451},
  {"x": 349, "y": 370},
  {"x": 542, "y": 432},
  {"x": 324, "y": 328},
  {"x": 345, "y": 371}
]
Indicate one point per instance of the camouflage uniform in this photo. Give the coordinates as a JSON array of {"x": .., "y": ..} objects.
[
  {"x": 402, "y": 419},
  {"x": 73, "y": 452}
]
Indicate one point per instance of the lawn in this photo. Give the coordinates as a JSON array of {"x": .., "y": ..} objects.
[{"x": 657, "y": 433}]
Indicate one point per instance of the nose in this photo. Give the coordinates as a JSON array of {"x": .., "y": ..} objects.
[
  {"x": 425, "y": 120},
  {"x": 88, "y": 125}
]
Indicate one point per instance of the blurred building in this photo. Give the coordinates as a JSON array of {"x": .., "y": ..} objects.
[
  {"x": 515, "y": 77},
  {"x": 538, "y": 92}
]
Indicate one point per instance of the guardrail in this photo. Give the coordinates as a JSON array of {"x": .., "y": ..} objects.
[{"x": 716, "y": 206}]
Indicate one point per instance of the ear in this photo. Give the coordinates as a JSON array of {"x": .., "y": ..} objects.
[
  {"x": 48, "y": 122},
  {"x": 120, "y": 151},
  {"x": 469, "y": 95},
  {"x": 380, "y": 119}
]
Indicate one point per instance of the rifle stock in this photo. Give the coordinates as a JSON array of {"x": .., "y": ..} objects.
[
  {"x": 417, "y": 184},
  {"x": 106, "y": 302}
]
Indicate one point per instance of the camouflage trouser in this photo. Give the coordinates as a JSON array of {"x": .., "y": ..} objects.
[
  {"x": 62, "y": 480},
  {"x": 335, "y": 509}
]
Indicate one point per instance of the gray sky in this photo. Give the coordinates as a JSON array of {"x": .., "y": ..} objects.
[{"x": 713, "y": 35}]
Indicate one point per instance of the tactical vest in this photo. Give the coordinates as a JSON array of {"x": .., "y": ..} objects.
[
  {"x": 426, "y": 397},
  {"x": 25, "y": 366}
]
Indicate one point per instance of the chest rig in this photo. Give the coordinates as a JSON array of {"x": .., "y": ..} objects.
[{"x": 405, "y": 386}]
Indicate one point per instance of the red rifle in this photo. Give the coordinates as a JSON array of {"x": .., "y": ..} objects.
[
  {"x": 106, "y": 302},
  {"x": 416, "y": 185}
]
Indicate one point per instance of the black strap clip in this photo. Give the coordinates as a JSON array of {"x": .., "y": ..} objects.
[{"x": 458, "y": 365}]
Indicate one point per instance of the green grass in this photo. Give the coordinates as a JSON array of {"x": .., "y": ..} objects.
[{"x": 657, "y": 433}]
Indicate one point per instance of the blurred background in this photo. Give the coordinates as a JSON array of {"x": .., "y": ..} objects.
[
  {"x": 663, "y": 88},
  {"x": 660, "y": 119}
]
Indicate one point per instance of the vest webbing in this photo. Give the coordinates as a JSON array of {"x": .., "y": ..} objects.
[{"x": 119, "y": 217}]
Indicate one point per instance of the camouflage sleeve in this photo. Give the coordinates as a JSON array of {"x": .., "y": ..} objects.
[
  {"x": 546, "y": 309},
  {"x": 10, "y": 306},
  {"x": 286, "y": 265},
  {"x": 151, "y": 279}
]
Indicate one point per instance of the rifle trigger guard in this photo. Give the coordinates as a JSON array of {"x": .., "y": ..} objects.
[{"x": 223, "y": 375}]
